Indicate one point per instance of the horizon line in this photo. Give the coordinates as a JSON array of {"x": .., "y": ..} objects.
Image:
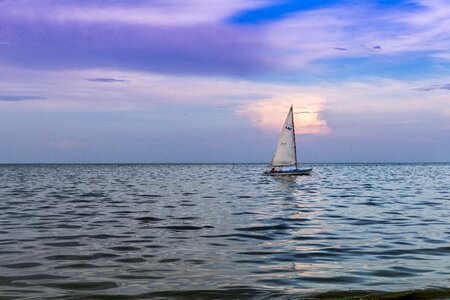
[{"x": 211, "y": 163}]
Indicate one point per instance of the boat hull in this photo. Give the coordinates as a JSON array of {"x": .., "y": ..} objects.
[{"x": 297, "y": 172}]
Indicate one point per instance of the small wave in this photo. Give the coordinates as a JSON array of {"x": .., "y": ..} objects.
[
  {"x": 131, "y": 260},
  {"x": 391, "y": 273},
  {"x": 137, "y": 277},
  {"x": 79, "y": 285},
  {"x": 93, "y": 194},
  {"x": 187, "y": 218},
  {"x": 148, "y": 219},
  {"x": 183, "y": 227},
  {"x": 240, "y": 235},
  {"x": 149, "y": 195},
  {"x": 12, "y": 279},
  {"x": 245, "y": 213},
  {"x": 81, "y": 257},
  {"x": 64, "y": 244},
  {"x": 125, "y": 248},
  {"x": 169, "y": 260},
  {"x": 23, "y": 265},
  {"x": 262, "y": 228}
]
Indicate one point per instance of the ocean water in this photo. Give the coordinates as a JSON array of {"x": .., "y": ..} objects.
[{"x": 224, "y": 231}]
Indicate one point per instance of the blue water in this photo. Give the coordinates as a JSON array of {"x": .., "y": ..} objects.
[{"x": 223, "y": 231}]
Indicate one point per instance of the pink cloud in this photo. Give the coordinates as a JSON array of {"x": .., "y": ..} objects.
[{"x": 269, "y": 115}]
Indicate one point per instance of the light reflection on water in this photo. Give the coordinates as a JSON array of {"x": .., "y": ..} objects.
[{"x": 139, "y": 229}]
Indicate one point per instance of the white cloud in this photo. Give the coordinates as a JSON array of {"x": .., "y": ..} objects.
[
  {"x": 263, "y": 104},
  {"x": 162, "y": 13},
  {"x": 363, "y": 30}
]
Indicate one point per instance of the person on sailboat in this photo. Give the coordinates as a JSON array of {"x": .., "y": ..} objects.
[{"x": 273, "y": 170}]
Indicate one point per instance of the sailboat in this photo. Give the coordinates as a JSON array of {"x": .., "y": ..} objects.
[{"x": 284, "y": 161}]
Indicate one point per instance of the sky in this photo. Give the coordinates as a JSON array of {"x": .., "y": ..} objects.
[{"x": 206, "y": 81}]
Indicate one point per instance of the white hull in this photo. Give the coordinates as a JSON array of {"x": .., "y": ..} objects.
[{"x": 288, "y": 173}]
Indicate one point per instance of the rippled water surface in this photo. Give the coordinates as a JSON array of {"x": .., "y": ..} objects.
[{"x": 222, "y": 231}]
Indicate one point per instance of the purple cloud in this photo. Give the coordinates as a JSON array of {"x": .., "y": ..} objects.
[
  {"x": 195, "y": 49},
  {"x": 435, "y": 87},
  {"x": 17, "y": 98},
  {"x": 128, "y": 40},
  {"x": 106, "y": 80}
]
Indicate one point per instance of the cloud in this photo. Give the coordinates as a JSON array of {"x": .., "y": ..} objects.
[
  {"x": 434, "y": 87},
  {"x": 17, "y": 98},
  {"x": 177, "y": 37},
  {"x": 364, "y": 30},
  {"x": 269, "y": 115},
  {"x": 214, "y": 49},
  {"x": 344, "y": 112},
  {"x": 102, "y": 79},
  {"x": 143, "y": 12},
  {"x": 69, "y": 91},
  {"x": 196, "y": 37}
]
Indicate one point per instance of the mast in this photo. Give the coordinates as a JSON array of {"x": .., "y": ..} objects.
[{"x": 293, "y": 132}]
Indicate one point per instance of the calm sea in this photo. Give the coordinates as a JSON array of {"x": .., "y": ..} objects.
[{"x": 224, "y": 231}]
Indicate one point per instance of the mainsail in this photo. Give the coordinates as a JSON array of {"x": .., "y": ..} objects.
[{"x": 285, "y": 153}]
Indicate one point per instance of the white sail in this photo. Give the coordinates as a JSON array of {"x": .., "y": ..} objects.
[{"x": 285, "y": 153}]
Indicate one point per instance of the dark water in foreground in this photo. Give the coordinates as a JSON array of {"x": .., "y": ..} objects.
[{"x": 223, "y": 231}]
